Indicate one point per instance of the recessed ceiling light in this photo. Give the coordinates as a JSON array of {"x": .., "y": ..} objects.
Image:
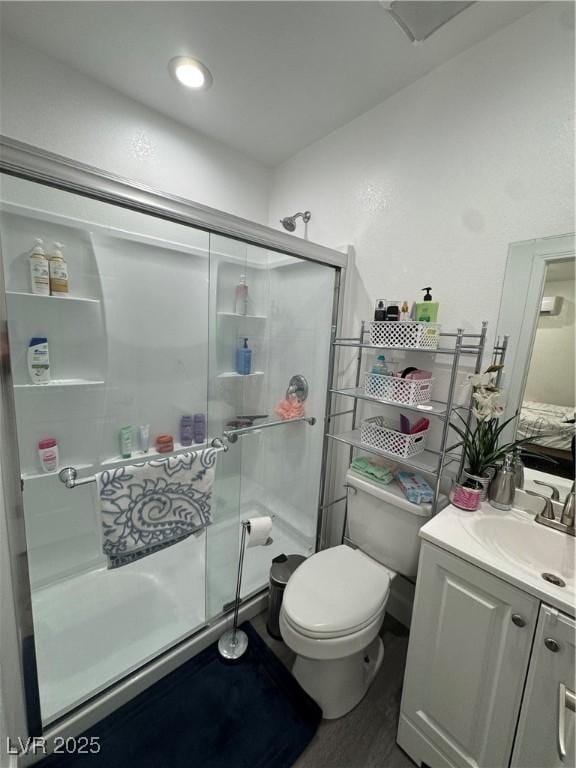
[{"x": 190, "y": 72}]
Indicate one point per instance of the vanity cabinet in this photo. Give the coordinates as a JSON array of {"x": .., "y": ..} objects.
[
  {"x": 468, "y": 656},
  {"x": 545, "y": 735}
]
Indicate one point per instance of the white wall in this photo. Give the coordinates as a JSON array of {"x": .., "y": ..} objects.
[
  {"x": 432, "y": 185},
  {"x": 551, "y": 374},
  {"x": 47, "y": 104}
]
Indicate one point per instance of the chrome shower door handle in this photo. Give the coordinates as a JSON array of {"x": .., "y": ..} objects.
[{"x": 566, "y": 700}]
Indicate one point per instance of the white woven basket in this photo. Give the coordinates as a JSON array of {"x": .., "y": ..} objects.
[
  {"x": 405, "y": 334},
  {"x": 393, "y": 389},
  {"x": 375, "y": 435}
]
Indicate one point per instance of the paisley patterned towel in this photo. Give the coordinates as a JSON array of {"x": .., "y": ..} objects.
[{"x": 151, "y": 505}]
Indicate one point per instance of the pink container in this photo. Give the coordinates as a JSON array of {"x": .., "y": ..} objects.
[
  {"x": 48, "y": 454},
  {"x": 466, "y": 498}
]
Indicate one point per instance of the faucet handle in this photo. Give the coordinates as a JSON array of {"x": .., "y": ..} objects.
[
  {"x": 547, "y": 511},
  {"x": 555, "y": 492}
]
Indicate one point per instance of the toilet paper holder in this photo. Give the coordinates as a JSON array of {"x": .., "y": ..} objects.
[{"x": 234, "y": 642}]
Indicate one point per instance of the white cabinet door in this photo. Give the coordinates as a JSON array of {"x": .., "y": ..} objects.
[
  {"x": 546, "y": 705},
  {"x": 467, "y": 660}
]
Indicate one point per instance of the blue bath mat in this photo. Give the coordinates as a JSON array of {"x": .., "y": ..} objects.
[{"x": 208, "y": 713}]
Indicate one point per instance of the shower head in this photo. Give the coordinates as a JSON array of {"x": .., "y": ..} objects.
[{"x": 289, "y": 222}]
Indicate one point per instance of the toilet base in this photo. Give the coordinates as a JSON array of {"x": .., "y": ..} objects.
[{"x": 338, "y": 685}]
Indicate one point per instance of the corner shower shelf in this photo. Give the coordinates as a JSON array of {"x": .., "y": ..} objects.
[
  {"x": 432, "y": 408},
  {"x": 73, "y": 299},
  {"x": 238, "y": 315},
  {"x": 58, "y": 383},
  {"x": 234, "y": 375}
]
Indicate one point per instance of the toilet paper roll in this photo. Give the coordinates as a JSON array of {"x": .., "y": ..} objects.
[{"x": 259, "y": 531}]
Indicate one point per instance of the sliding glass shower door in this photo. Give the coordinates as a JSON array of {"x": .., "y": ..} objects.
[
  {"x": 275, "y": 310},
  {"x": 128, "y": 351},
  {"x": 162, "y": 321}
]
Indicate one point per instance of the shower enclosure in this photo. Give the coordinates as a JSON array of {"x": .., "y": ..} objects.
[{"x": 148, "y": 333}]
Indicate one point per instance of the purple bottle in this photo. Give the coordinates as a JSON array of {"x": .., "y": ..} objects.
[
  {"x": 199, "y": 428},
  {"x": 186, "y": 430}
]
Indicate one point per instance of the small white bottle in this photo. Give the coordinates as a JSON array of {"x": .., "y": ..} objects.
[
  {"x": 58, "y": 272},
  {"x": 241, "y": 297},
  {"x": 38, "y": 360},
  {"x": 39, "y": 269}
]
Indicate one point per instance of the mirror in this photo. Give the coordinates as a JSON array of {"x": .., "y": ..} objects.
[{"x": 537, "y": 313}]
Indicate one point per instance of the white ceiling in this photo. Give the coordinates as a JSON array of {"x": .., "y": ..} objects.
[{"x": 285, "y": 73}]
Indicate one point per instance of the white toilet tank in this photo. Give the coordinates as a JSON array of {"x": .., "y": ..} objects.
[{"x": 385, "y": 525}]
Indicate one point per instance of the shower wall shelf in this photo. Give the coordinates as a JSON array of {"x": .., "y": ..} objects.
[
  {"x": 238, "y": 315},
  {"x": 234, "y": 375},
  {"x": 59, "y": 383},
  {"x": 51, "y": 298},
  {"x": 119, "y": 461},
  {"x": 431, "y": 462}
]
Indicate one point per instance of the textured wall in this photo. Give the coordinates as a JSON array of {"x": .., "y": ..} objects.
[
  {"x": 432, "y": 185},
  {"x": 54, "y": 107}
]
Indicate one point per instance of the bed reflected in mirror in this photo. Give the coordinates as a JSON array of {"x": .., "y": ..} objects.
[
  {"x": 537, "y": 312},
  {"x": 547, "y": 411}
]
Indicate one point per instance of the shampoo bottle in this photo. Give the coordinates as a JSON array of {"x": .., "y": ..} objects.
[
  {"x": 58, "y": 272},
  {"x": 38, "y": 360},
  {"x": 427, "y": 310},
  {"x": 39, "y": 270},
  {"x": 241, "y": 297},
  {"x": 244, "y": 359}
]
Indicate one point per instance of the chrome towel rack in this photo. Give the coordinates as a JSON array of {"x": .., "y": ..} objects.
[
  {"x": 232, "y": 435},
  {"x": 69, "y": 475}
]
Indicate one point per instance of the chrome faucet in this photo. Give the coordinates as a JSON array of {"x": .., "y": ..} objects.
[
  {"x": 555, "y": 496},
  {"x": 567, "y": 517},
  {"x": 547, "y": 516}
]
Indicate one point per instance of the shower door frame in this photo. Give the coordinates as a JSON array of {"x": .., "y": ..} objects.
[{"x": 31, "y": 163}]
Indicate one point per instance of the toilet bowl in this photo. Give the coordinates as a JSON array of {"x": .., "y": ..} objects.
[
  {"x": 334, "y": 604},
  {"x": 332, "y": 610}
]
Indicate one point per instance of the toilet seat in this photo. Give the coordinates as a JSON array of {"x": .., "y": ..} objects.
[{"x": 336, "y": 593}]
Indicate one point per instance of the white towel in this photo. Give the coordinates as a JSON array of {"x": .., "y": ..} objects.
[{"x": 153, "y": 504}]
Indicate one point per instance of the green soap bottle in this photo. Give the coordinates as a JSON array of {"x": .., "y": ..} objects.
[{"x": 427, "y": 310}]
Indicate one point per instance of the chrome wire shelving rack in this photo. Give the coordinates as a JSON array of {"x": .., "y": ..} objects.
[{"x": 459, "y": 346}]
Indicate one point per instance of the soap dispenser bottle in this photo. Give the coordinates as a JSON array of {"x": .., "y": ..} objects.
[
  {"x": 427, "y": 310},
  {"x": 39, "y": 270},
  {"x": 244, "y": 359}
]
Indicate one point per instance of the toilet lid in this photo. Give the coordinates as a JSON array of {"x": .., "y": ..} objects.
[{"x": 335, "y": 592}]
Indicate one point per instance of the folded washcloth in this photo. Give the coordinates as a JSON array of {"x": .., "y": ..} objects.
[
  {"x": 151, "y": 505},
  {"x": 415, "y": 488},
  {"x": 371, "y": 469}
]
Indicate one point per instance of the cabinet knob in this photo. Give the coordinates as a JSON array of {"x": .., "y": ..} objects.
[
  {"x": 552, "y": 645},
  {"x": 518, "y": 620}
]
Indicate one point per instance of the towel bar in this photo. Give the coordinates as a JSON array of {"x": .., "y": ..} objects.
[
  {"x": 232, "y": 435},
  {"x": 69, "y": 475}
]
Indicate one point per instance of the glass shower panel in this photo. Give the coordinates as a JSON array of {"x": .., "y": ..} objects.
[
  {"x": 128, "y": 347},
  {"x": 276, "y": 470}
]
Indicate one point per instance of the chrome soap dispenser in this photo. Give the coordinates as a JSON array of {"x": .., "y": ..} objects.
[{"x": 501, "y": 492}]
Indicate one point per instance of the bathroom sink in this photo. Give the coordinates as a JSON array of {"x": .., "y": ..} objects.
[
  {"x": 530, "y": 546},
  {"x": 511, "y": 545}
]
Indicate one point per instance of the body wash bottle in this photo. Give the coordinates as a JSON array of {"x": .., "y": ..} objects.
[
  {"x": 126, "y": 442},
  {"x": 58, "y": 272},
  {"x": 241, "y": 297},
  {"x": 244, "y": 359}
]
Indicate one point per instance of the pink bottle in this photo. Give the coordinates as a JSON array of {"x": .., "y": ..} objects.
[
  {"x": 48, "y": 453},
  {"x": 241, "y": 297}
]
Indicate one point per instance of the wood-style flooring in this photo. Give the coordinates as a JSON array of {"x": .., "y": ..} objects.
[{"x": 366, "y": 737}]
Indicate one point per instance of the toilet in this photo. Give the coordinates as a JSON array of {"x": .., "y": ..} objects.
[{"x": 334, "y": 604}]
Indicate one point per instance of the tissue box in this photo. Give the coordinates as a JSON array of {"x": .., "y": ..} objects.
[{"x": 415, "y": 488}]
